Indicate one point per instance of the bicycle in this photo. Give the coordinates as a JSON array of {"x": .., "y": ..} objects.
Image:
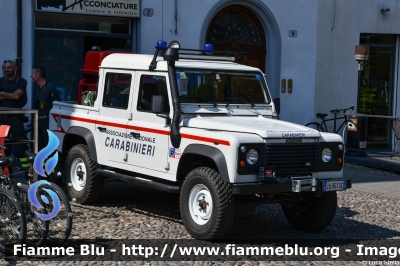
[
  {"x": 13, "y": 226},
  {"x": 12, "y": 222},
  {"x": 36, "y": 229},
  {"x": 342, "y": 130},
  {"x": 60, "y": 227}
]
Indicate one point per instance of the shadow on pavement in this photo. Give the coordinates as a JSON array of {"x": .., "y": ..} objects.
[{"x": 265, "y": 222}]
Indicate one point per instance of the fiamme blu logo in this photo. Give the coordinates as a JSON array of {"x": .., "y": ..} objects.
[{"x": 49, "y": 165}]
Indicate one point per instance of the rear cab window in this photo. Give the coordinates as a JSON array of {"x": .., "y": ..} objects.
[{"x": 116, "y": 90}]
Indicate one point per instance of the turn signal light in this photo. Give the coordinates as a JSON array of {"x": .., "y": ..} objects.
[
  {"x": 242, "y": 163},
  {"x": 339, "y": 160}
]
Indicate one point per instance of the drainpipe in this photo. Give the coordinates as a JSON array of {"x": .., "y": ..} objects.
[
  {"x": 333, "y": 14},
  {"x": 18, "y": 60},
  {"x": 176, "y": 18}
]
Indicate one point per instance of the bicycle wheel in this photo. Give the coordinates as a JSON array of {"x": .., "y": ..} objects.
[
  {"x": 315, "y": 125},
  {"x": 344, "y": 135},
  {"x": 37, "y": 229},
  {"x": 12, "y": 222},
  {"x": 60, "y": 226}
]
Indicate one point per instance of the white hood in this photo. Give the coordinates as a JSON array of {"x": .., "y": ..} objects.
[{"x": 264, "y": 127}]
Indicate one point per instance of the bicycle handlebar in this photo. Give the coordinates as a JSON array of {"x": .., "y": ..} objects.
[{"x": 342, "y": 110}]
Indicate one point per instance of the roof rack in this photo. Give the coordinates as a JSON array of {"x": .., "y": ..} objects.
[
  {"x": 199, "y": 54},
  {"x": 212, "y": 55}
]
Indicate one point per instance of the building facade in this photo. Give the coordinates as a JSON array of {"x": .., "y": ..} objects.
[{"x": 305, "y": 48}]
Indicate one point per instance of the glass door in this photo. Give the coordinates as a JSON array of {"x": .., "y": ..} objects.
[
  {"x": 60, "y": 56},
  {"x": 376, "y": 92}
]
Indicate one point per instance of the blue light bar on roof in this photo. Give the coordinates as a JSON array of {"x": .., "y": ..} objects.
[
  {"x": 161, "y": 44},
  {"x": 208, "y": 47}
]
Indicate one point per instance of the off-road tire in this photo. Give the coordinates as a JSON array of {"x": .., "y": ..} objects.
[
  {"x": 89, "y": 190},
  {"x": 222, "y": 202},
  {"x": 312, "y": 213}
]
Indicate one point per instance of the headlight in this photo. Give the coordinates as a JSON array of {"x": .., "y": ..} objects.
[
  {"x": 252, "y": 157},
  {"x": 326, "y": 155}
]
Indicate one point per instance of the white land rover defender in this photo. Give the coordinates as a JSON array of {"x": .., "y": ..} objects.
[{"x": 202, "y": 126}]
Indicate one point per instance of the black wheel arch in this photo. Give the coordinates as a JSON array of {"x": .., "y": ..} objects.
[
  {"x": 208, "y": 153},
  {"x": 80, "y": 135}
]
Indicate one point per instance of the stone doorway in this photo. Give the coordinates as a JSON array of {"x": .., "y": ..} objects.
[{"x": 237, "y": 28}]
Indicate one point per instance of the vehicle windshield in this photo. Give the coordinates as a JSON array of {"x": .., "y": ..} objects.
[{"x": 221, "y": 87}]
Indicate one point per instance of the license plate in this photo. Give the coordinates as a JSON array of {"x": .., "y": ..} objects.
[{"x": 334, "y": 185}]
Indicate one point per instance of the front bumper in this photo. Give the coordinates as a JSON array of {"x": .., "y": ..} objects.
[{"x": 295, "y": 185}]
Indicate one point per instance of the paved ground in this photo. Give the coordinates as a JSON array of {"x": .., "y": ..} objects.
[
  {"x": 382, "y": 160},
  {"x": 370, "y": 210},
  {"x": 383, "y": 183}
]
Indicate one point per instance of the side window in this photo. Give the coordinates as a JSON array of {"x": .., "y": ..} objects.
[
  {"x": 149, "y": 86},
  {"x": 116, "y": 90}
]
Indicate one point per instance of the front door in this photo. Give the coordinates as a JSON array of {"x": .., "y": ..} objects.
[
  {"x": 236, "y": 28},
  {"x": 111, "y": 125},
  {"x": 149, "y": 132}
]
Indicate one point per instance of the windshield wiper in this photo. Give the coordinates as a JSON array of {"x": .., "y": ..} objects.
[
  {"x": 240, "y": 97},
  {"x": 203, "y": 98}
]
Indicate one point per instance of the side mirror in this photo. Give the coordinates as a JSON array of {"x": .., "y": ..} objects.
[
  {"x": 157, "y": 104},
  {"x": 277, "y": 103}
]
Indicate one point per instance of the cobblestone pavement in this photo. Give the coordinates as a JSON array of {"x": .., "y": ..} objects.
[{"x": 126, "y": 211}]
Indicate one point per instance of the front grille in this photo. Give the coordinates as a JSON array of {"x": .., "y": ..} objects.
[{"x": 292, "y": 159}]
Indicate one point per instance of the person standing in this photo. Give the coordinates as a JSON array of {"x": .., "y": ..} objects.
[
  {"x": 46, "y": 93},
  {"x": 13, "y": 95}
]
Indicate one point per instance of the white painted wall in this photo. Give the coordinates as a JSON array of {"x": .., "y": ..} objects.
[
  {"x": 8, "y": 29},
  {"x": 298, "y": 55},
  {"x": 162, "y": 25},
  {"x": 336, "y": 69}
]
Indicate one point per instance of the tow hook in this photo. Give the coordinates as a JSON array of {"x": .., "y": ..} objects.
[{"x": 304, "y": 183}]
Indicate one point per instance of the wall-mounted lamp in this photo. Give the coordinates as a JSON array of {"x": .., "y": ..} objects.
[
  {"x": 383, "y": 10},
  {"x": 360, "y": 55}
]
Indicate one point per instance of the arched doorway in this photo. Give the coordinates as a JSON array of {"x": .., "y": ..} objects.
[{"x": 236, "y": 28}]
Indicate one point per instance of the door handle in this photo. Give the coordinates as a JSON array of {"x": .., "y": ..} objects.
[
  {"x": 102, "y": 129},
  {"x": 135, "y": 135}
]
